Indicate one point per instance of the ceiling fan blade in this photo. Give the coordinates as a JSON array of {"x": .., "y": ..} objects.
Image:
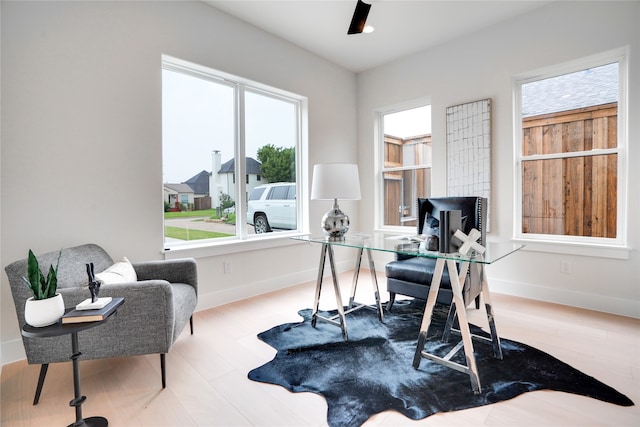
[{"x": 359, "y": 17}]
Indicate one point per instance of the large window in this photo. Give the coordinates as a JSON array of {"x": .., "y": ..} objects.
[
  {"x": 570, "y": 153},
  {"x": 218, "y": 127},
  {"x": 406, "y": 164}
]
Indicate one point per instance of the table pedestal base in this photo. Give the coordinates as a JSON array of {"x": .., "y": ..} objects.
[{"x": 78, "y": 397}]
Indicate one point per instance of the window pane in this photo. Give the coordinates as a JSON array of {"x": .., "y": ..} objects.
[
  {"x": 572, "y": 112},
  {"x": 566, "y": 194},
  {"x": 574, "y": 196},
  {"x": 407, "y": 164},
  {"x": 271, "y": 136},
  {"x": 198, "y": 136},
  {"x": 401, "y": 190},
  {"x": 412, "y": 151}
]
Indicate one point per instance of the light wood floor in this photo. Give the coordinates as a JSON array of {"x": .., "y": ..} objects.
[{"x": 208, "y": 385}]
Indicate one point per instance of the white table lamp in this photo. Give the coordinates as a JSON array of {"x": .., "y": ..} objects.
[{"x": 335, "y": 181}]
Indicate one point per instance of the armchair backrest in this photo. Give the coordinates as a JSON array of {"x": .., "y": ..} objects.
[{"x": 474, "y": 208}]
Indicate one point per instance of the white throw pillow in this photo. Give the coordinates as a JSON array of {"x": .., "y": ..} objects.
[{"x": 120, "y": 272}]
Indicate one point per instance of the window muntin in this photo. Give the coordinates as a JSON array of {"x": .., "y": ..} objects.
[
  {"x": 406, "y": 164},
  {"x": 570, "y": 154},
  {"x": 210, "y": 119}
]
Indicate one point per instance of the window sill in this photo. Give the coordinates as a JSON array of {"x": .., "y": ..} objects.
[
  {"x": 204, "y": 250},
  {"x": 591, "y": 250}
]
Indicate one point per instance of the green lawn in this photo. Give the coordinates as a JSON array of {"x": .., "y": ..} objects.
[{"x": 186, "y": 234}]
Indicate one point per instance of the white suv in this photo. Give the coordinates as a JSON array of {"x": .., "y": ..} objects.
[{"x": 272, "y": 206}]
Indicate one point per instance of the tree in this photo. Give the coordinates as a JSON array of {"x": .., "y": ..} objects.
[
  {"x": 278, "y": 163},
  {"x": 226, "y": 201}
]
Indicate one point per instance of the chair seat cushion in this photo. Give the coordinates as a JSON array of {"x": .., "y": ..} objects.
[{"x": 416, "y": 270}]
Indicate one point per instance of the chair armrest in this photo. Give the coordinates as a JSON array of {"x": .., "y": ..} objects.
[
  {"x": 401, "y": 257},
  {"x": 183, "y": 270},
  {"x": 144, "y": 324},
  {"x": 155, "y": 292}
]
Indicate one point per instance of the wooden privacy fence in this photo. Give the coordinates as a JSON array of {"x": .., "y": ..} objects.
[
  {"x": 411, "y": 180},
  {"x": 576, "y": 193}
]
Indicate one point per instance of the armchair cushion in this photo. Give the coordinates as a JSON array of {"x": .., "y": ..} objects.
[{"x": 120, "y": 272}]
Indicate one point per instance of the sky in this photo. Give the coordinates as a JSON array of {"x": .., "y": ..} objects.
[
  {"x": 197, "y": 118},
  {"x": 414, "y": 122}
]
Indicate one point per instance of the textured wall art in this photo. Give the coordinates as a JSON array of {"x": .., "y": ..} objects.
[{"x": 469, "y": 150}]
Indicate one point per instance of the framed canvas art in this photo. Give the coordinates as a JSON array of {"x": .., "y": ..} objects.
[{"x": 469, "y": 150}]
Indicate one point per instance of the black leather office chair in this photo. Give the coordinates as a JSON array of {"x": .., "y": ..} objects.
[{"x": 412, "y": 276}]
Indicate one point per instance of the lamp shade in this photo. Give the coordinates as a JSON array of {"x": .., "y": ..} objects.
[{"x": 335, "y": 181}]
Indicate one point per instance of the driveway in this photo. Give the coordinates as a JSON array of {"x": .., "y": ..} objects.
[{"x": 199, "y": 223}]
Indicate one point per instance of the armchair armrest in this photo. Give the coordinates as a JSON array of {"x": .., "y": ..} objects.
[
  {"x": 184, "y": 270},
  {"x": 150, "y": 292},
  {"x": 148, "y": 305}
]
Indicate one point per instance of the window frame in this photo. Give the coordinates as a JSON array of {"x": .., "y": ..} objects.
[
  {"x": 582, "y": 245},
  {"x": 242, "y": 240}
]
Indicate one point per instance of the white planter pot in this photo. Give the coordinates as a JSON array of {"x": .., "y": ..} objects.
[{"x": 43, "y": 312}]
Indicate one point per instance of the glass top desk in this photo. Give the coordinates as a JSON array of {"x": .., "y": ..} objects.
[{"x": 407, "y": 245}]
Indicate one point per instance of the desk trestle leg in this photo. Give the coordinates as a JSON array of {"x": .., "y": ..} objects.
[
  {"x": 494, "y": 338},
  {"x": 457, "y": 283},
  {"x": 342, "y": 322},
  {"x": 353, "y": 305}
]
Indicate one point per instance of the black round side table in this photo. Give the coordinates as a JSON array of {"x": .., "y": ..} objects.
[{"x": 58, "y": 329}]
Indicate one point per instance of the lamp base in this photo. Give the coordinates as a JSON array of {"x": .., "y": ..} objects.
[{"x": 335, "y": 223}]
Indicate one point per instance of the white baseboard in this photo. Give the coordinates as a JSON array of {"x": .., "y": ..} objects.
[
  {"x": 603, "y": 303},
  {"x": 237, "y": 293}
]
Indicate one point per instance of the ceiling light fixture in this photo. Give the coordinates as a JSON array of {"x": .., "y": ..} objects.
[{"x": 359, "y": 18}]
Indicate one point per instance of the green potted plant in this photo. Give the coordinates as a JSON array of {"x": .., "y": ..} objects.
[{"x": 46, "y": 306}]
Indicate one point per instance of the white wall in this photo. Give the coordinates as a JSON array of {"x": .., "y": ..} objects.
[
  {"x": 481, "y": 66},
  {"x": 81, "y": 137}
]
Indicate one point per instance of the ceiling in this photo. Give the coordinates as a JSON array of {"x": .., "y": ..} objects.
[{"x": 401, "y": 27}]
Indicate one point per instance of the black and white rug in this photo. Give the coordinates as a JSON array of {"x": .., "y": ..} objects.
[{"x": 373, "y": 372}]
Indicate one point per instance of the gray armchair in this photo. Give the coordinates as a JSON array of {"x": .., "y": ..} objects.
[
  {"x": 157, "y": 307},
  {"x": 412, "y": 276}
]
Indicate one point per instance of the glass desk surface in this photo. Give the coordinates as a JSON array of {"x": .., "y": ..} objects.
[{"x": 407, "y": 245}]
